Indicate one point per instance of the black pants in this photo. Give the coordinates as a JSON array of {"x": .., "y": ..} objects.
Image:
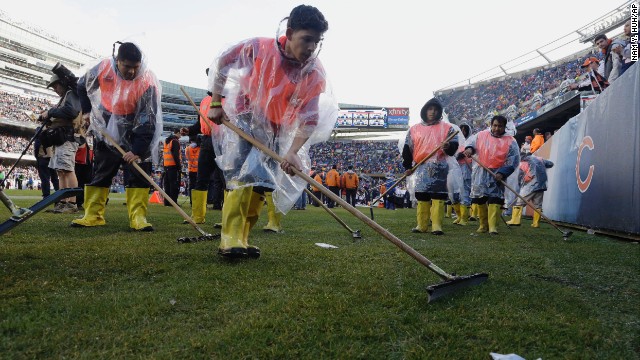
[
  {"x": 47, "y": 175},
  {"x": 424, "y": 196},
  {"x": 209, "y": 174},
  {"x": 487, "y": 200},
  {"x": 351, "y": 197},
  {"x": 106, "y": 164},
  {"x": 193, "y": 177},
  {"x": 171, "y": 183},
  {"x": 83, "y": 173},
  {"x": 335, "y": 190}
]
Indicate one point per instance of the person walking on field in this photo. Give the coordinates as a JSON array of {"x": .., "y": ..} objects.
[
  {"x": 121, "y": 95},
  {"x": 498, "y": 152},
  {"x": 275, "y": 90}
]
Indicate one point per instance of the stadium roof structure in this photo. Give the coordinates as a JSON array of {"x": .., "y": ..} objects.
[{"x": 551, "y": 53}]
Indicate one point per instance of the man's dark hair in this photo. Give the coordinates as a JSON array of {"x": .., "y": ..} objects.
[
  {"x": 501, "y": 119},
  {"x": 306, "y": 17},
  {"x": 128, "y": 51},
  {"x": 599, "y": 37},
  {"x": 537, "y": 131},
  {"x": 334, "y": 166}
]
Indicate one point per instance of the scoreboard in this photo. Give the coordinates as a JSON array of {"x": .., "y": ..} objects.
[{"x": 373, "y": 119}]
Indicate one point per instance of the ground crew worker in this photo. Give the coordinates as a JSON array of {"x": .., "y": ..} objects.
[
  {"x": 500, "y": 153},
  {"x": 431, "y": 176},
  {"x": 192, "y": 152},
  {"x": 533, "y": 184},
  {"x": 272, "y": 91},
  {"x": 464, "y": 202},
  {"x": 122, "y": 96},
  {"x": 350, "y": 182},
  {"x": 172, "y": 166},
  {"x": 333, "y": 183}
]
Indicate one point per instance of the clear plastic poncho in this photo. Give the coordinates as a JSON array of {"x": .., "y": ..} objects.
[
  {"x": 274, "y": 100},
  {"x": 488, "y": 150},
  {"x": 439, "y": 174},
  {"x": 129, "y": 110}
]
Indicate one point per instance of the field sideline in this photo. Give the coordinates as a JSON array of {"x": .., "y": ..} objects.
[{"x": 111, "y": 293}]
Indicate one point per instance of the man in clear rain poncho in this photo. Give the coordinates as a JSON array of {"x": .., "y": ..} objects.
[
  {"x": 122, "y": 97},
  {"x": 430, "y": 178},
  {"x": 276, "y": 91},
  {"x": 499, "y": 152},
  {"x": 533, "y": 184}
]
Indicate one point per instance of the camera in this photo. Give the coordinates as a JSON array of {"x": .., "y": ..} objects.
[{"x": 65, "y": 75}]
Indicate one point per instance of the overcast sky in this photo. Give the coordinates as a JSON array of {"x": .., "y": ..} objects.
[{"x": 385, "y": 53}]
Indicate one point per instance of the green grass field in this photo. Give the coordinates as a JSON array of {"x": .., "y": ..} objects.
[{"x": 110, "y": 293}]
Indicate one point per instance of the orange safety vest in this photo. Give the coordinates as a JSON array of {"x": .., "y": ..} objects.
[
  {"x": 492, "y": 151},
  {"x": 333, "y": 178},
  {"x": 350, "y": 180},
  {"x": 427, "y": 138},
  {"x": 319, "y": 179},
  {"x": 167, "y": 155},
  {"x": 204, "y": 109},
  {"x": 278, "y": 96},
  {"x": 192, "y": 154},
  {"x": 120, "y": 96}
]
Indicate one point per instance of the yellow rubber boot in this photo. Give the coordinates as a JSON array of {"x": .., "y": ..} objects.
[
  {"x": 456, "y": 208},
  {"x": 137, "y": 203},
  {"x": 437, "y": 216},
  {"x": 493, "y": 211},
  {"x": 464, "y": 215},
  {"x": 234, "y": 217},
  {"x": 273, "y": 215},
  {"x": 95, "y": 199},
  {"x": 423, "y": 213},
  {"x": 473, "y": 215},
  {"x": 482, "y": 218},
  {"x": 516, "y": 216},
  {"x": 536, "y": 218},
  {"x": 198, "y": 206},
  {"x": 448, "y": 209},
  {"x": 255, "y": 207}
]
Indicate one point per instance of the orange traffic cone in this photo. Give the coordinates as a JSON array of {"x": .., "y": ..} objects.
[{"x": 156, "y": 198}]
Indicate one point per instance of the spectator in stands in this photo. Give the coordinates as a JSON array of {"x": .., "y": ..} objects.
[
  {"x": 47, "y": 175},
  {"x": 547, "y": 136},
  {"x": 121, "y": 91},
  {"x": 538, "y": 140},
  {"x": 333, "y": 183},
  {"x": 172, "y": 166},
  {"x": 591, "y": 80},
  {"x": 431, "y": 176},
  {"x": 605, "y": 45},
  {"x": 63, "y": 117},
  {"x": 498, "y": 152},
  {"x": 350, "y": 182},
  {"x": 626, "y": 52},
  {"x": 526, "y": 146}
]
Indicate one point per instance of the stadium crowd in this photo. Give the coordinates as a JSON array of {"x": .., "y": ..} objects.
[{"x": 18, "y": 107}]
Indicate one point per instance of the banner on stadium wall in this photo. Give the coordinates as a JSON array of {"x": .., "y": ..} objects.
[
  {"x": 380, "y": 118},
  {"x": 595, "y": 181}
]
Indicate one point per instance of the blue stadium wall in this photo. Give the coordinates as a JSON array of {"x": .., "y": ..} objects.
[{"x": 596, "y": 178}]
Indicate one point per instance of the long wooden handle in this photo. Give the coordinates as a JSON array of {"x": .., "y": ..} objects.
[
  {"x": 319, "y": 202},
  {"x": 431, "y": 154},
  {"x": 156, "y": 186}
]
